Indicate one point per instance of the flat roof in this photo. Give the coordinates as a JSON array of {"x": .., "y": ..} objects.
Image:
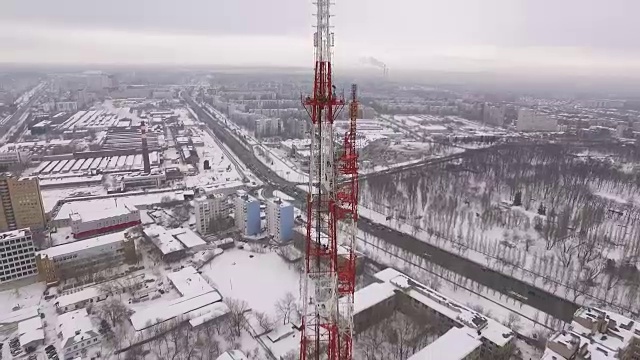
[
  {"x": 9, "y": 235},
  {"x": 189, "y": 282},
  {"x": 78, "y": 296},
  {"x": 187, "y": 237},
  {"x": 30, "y": 330},
  {"x": 132, "y": 201},
  {"x": 371, "y": 295},
  {"x": 187, "y": 306},
  {"x": 19, "y": 315},
  {"x": 455, "y": 344},
  {"x": 163, "y": 240},
  {"x": 81, "y": 245},
  {"x": 103, "y": 210}
]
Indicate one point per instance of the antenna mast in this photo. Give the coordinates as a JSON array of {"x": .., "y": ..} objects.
[{"x": 329, "y": 279}]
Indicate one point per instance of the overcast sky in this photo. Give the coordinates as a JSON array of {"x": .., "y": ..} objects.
[{"x": 592, "y": 36}]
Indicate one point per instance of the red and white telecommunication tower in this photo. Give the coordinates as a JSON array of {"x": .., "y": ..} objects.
[{"x": 332, "y": 209}]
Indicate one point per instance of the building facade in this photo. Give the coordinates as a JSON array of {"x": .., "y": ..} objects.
[
  {"x": 247, "y": 214},
  {"x": 207, "y": 209},
  {"x": 86, "y": 225},
  {"x": 531, "y": 120},
  {"x": 280, "y": 217},
  {"x": 85, "y": 257},
  {"x": 21, "y": 204},
  {"x": 17, "y": 254}
]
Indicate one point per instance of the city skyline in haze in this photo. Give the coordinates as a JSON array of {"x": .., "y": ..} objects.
[{"x": 572, "y": 37}]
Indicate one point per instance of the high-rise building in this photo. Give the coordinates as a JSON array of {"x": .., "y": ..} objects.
[
  {"x": 247, "y": 214},
  {"x": 21, "y": 203},
  {"x": 493, "y": 115},
  {"x": 18, "y": 255},
  {"x": 208, "y": 208},
  {"x": 280, "y": 219}
]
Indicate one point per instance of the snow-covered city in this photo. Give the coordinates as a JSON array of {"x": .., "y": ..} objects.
[{"x": 177, "y": 200}]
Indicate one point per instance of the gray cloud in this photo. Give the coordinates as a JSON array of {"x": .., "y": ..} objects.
[{"x": 567, "y": 34}]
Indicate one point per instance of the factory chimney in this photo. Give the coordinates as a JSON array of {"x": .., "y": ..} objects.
[{"x": 145, "y": 149}]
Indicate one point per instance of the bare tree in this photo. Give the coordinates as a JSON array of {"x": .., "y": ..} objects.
[
  {"x": 114, "y": 311},
  {"x": 286, "y": 306},
  {"x": 264, "y": 320},
  {"x": 236, "y": 319}
]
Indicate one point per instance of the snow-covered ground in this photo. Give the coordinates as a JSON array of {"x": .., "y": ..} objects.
[{"x": 259, "y": 278}]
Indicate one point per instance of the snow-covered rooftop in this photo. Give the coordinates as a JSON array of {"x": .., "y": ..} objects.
[
  {"x": 8, "y": 235},
  {"x": 455, "y": 344},
  {"x": 104, "y": 211},
  {"x": 282, "y": 340},
  {"x": 209, "y": 313},
  {"x": 78, "y": 296},
  {"x": 486, "y": 327},
  {"x": 30, "y": 330},
  {"x": 233, "y": 355},
  {"x": 19, "y": 315},
  {"x": 75, "y": 326},
  {"x": 78, "y": 246},
  {"x": 187, "y": 237},
  {"x": 89, "y": 205},
  {"x": 187, "y": 306},
  {"x": 163, "y": 240},
  {"x": 598, "y": 333},
  {"x": 189, "y": 282},
  {"x": 372, "y": 295}
]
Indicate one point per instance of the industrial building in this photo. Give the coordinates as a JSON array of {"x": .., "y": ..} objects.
[
  {"x": 21, "y": 203},
  {"x": 280, "y": 218},
  {"x": 247, "y": 214},
  {"x": 155, "y": 179},
  {"x": 207, "y": 209},
  {"x": 18, "y": 255},
  {"x": 97, "y": 164},
  {"x": 102, "y": 221},
  {"x": 85, "y": 257}
]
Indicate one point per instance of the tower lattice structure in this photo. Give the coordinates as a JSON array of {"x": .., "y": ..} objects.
[{"x": 332, "y": 212}]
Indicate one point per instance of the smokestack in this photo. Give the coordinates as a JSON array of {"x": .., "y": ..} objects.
[
  {"x": 145, "y": 149},
  {"x": 377, "y": 63}
]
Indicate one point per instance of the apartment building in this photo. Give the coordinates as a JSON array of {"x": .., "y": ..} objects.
[
  {"x": 207, "y": 209},
  {"x": 531, "y": 120},
  {"x": 247, "y": 214},
  {"x": 17, "y": 255},
  {"x": 596, "y": 333},
  {"x": 21, "y": 203},
  {"x": 280, "y": 216},
  {"x": 466, "y": 333},
  {"x": 85, "y": 257}
]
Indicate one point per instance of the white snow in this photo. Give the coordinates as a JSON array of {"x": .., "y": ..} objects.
[
  {"x": 455, "y": 344},
  {"x": 260, "y": 280}
]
